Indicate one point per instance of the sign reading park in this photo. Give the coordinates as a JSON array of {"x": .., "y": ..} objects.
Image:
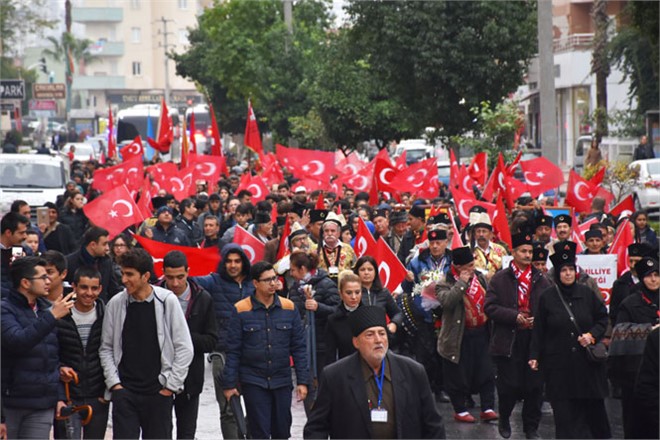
[{"x": 12, "y": 89}]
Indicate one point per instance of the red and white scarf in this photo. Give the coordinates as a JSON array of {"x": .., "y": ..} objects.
[
  {"x": 524, "y": 281},
  {"x": 473, "y": 302}
]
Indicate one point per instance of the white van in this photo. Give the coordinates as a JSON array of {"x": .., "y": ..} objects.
[{"x": 35, "y": 178}]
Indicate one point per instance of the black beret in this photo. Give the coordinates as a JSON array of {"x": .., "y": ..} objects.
[
  {"x": 418, "y": 211},
  {"x": 381, "y": 213},
  {"x": 593, "y": 233},
  {"x": 261, "y": 217},
  {"x": 366, "y": 317},
  {"x": 398, "y": 217},
  {"x": 437, "y": 234},
  {"x": 461, "y": 256},
  {"x": 521, "y": 239},
  {"x": 540, "y": 254},
  {"x": 646, "y": 266},
  {"x": 564, "y": 254},
  {"x": 318, "y": 215},
  {"x": 544, "y": 220},
  {"x": 440, "y": 218},
  {"x": 639, "y": 250},
  {"x": 563, "y": 218},
  {"x": 298, "y": 208}
]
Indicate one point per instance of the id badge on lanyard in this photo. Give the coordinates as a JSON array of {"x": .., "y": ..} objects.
[{"x": 379, "y": 414}]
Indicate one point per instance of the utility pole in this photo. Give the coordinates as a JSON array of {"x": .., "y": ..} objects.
[
  {"x": 165, "y": 47},
  {"x": 549, "y": 145},
  {"x": 288, "y": 21}
]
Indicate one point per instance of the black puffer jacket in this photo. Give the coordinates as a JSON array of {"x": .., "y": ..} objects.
[
  {"x": 200, "y": 316},
  {"x": 84, "y": 360},
  {"x": 77, "y": 221},
  {"x": 327, "y": 297}
]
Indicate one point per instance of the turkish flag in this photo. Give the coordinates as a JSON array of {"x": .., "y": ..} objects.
[
  {"x": 313, "y": 164},
  {"x": 501, "y": 223},
  {"x": 604, "y": 194},
  {"x": 283, "y": 249},
  {"x": 256, "y": 186},
  {"x": 349, "y": 165},
  {"x": 147, "y": 193},
  {"x": 252, "y": 138},
  {"x": 495, "y": 183},
  {"x": 162, "y": 173},
  {"x": 541, "y": 175},
  {"x": 165, "y": 136},
  {"x": 272, "y": 174},
  {"x": 390, "y": 269},
  {"x": 400, "y": 163},
  {"x": 511, "y": 168},
  {"x": 579, "y": 192},
  {"x": 132, "y": 150},
  {"x": 216, "y": 148},
  {"x": 420, "y": 179},
  {"x": 112, "y": 144},
  {"x": 464, "y": 201},
  {"x": 114, "y": 210},
  {"x": 453, "y": 169},
  {"x": 456, "y": 240},
  {"x": 254, "y": 248},
  {"x": 130, "y": 173},
  {"x": 622, "y": 239},
  {"x": 364, "y": 242},
  {"x": 624, "y": 208},
  {"x": 201, "y": 261},
  {"x": 208, "y": 168},
  {"x": 384, "y": 173},
  {"x": 597, "y": 178},
  {"x": 513, "y": 188},
  {"x": 360, "y": 181},
  {"x": 478, "y": 168}
]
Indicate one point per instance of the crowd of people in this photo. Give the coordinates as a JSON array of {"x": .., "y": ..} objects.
[{"x": 91, "y": 332}]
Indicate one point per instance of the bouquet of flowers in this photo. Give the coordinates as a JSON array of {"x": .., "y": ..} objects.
[{"x": 426, "y": 289}]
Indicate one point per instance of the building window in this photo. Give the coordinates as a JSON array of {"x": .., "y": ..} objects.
[
  {"x": 183, "y": 4},
  {"x": 137, "y": 68},
  {"x": 135, "y": 4},
  {"x": 135, "y": 34},
  {"x": 183, "y": 36}
]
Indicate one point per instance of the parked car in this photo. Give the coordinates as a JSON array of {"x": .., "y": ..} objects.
[
  {"x": 647, "y": 191},
  {"x": 444, "y": 172}
]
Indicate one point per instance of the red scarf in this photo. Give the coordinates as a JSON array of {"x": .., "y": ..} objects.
[
  {"x": 473, "y": 302},
  {"x": 524, "y": 280}
]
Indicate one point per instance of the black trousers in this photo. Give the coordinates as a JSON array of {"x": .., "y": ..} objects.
[
  {"x": 581, "y": 418},
  {"x": 186, "y": 408},
  {"x": 531, "y": 411},
  {"x": 132, "y": 412}
]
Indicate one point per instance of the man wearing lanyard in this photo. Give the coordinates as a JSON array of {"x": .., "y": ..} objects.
[{"x": 374, "y": 393}]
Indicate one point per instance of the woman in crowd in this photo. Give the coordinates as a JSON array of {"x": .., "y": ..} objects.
[
  {"x": 373, "y": 292},
  {"x": 73, "y": 216},
  {"x": 118, "y": 246},
  {"x": 637, "y": 314},
  {"x": 643, "y": 232},
  {"x": 338, "y": 335},
  {"x": 575, "y": 386}
]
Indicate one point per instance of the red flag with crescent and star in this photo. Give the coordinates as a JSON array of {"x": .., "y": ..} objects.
[
  {"x": 114, "y": 210},
  {"x": 579, "y": 192},
  {"x": 252, "y": 138},
  {"x": 364, "y": 241},
  {"x": 112, "y": 144},
  {"x": 134, "y": 149},
  {"x": 254, "y": 248},
  {"x": 201, "y": 261},
  {"x": 390, "y": 269}
]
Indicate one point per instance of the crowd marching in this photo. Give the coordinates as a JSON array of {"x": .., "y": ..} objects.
[{"x": 368, "y": 290}]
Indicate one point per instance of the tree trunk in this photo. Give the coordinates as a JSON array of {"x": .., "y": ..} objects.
[{"x": 600, "y": 65}]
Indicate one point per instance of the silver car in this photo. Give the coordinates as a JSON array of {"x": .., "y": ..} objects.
[{"x": 648, "y": 187}]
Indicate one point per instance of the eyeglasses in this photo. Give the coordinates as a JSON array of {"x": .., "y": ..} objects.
[
  {"x": 42, "y": 277},
  {"x": 269, "y": 280}
]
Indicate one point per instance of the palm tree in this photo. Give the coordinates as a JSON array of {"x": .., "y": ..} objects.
[{"x": 80, "y": 53}]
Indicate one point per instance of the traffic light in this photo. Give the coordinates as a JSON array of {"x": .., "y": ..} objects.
[{"x": 44, "y": 68}]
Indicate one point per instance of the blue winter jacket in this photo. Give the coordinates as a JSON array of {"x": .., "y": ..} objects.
[
  {"x": 423, "y": 263},
  {"x": 30, "y": 359},
  {"x": 226, "y": 292},
  {"x": 261, "y": 340}
]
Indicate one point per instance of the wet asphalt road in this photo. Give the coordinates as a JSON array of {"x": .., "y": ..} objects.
[{"x": 208, "y": 424}]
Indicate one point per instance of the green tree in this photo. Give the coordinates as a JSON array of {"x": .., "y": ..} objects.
[
  {"x": 635, "y": 50},
  {"x": 19, "y": 18},
  {"x": 439, "y": 59},
  {"x": 238, "y": 52},
  {"x": 79, "y": 49}
]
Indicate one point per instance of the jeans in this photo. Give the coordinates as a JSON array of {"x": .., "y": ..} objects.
[
  {"x": 227, "y": 420},
  {"x": 132, "y": 412},
  {"x": 28, "y": 423},
  {"x": 186, "y": 408},
  {"x": 268, "y": 411}
]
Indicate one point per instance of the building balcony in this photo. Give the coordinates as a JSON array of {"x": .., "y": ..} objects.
[
  {"x": 107, "y": 49},
  {"x": 98, "y": 82},
  {"x": 574, "y": 42},
  {"x": 97, "y": 15}
]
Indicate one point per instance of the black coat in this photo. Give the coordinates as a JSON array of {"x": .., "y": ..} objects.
[
  {"x": 61, "y": 240},
  {"x": 501, "y": 307},
  {"x": 341, "y": 409},
  {"x": 383, "y": 298},
  {"x": 338, "y": 336},
  {"x": 85, "y": 361},
  {"x": 109, "y": 283},
  {"x": 200, "y": 316},
  {"x": 621, "y": 288},
  {"x": 407, "y": 244},
  {"x": 646, "y": 395},
  {"x": 78, "y": 223},
  {"x": 327, "y": 297},
  {"x": 567, "y": 372}
]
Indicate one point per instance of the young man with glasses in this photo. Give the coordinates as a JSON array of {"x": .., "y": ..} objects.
[
  {"x": 264, "y": 331},
  {"x": 31, "y": 387}
]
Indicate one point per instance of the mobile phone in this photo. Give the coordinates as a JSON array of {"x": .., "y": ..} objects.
[
  {"x": 42, "y": 215},
  {"x": 17, "y": 252}
]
